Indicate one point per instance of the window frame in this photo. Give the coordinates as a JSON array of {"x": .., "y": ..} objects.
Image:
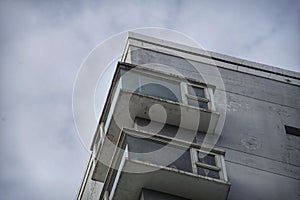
[
  {"x": 219, "y": 161},
  {"x": 183, "y": 86},
  {"x": 195, "y": 96},
  {"x": 219, "y": 158},
  {"x": 155, "y": 75},
  {"x": 208, "y": 93}
]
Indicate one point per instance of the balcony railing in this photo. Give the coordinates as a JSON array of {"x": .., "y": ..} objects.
[
  {"x": 166, "y": 90},
  {"x": 176, "y": 154},
  {"x": 125, "y": 104},
  {"x": 169, "y": 156}
]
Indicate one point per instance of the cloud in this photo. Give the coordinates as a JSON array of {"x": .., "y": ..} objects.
[{"x": 44, "y": 43}]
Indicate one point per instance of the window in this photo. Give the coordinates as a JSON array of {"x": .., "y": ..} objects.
[
  {"x": 196, "y": 96},
  {"x": 151, "y": 148},
  {"x": 292, "y": 130},
  {"x": 146, "y": 147},
  {"x": 196, "y": 91},
  {"x": 151, "y": 85},
  {"x": 168, "y": 87},
  {"x": 207, "y": 164}
]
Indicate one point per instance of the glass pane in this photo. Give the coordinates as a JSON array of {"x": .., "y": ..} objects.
[
  {"x": 206, "y": 158},
  {"x": 151, "y": 85},
  {"x": 196, "y": 91},
  {"x": 183, "y": 162},
  {"x": 159, "y": 91},
  {"x": 143, "y": 145},
  {"x": 155, "y": 152},
  {"x": 198, "y": 103},
  {"x": 208, "y": 173},
  {"x": 159, "y": 87},
  {"x": 130, "y": 79}
]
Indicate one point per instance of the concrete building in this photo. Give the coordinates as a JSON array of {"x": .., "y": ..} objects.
[{"x": 182, "y": 123}]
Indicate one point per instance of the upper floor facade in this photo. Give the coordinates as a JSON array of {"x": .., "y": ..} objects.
[{"x": 177, "y": 114}]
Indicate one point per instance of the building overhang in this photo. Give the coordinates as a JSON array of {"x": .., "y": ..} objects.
[
  {"x": 139, "y": 107},
  {"x": 168, "y": 180}
]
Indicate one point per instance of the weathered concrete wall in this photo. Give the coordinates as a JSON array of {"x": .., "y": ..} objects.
[{"x": 263, "y": 162}]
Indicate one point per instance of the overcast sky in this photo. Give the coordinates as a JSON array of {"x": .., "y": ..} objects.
[{"x": 43, "y": 44}]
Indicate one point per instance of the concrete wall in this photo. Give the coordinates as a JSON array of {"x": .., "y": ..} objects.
[{"x": 263, "y": 162}]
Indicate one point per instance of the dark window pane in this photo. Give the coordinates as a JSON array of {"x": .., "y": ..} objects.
[
  {"x": 143, "y": 145},
  {"x": 209, "y": 173},
  {"x": 151, "y": 85},
  {"x": 292, "y": 130},
  {"x": 206, "y": 158},
  {"x": 155, "y": 152},
  {"x": 196, "y": 91},
  {"x": 183, "y": 162},
  {"x": 158, "y": 90},
  {"x": 198, "y": 103}
]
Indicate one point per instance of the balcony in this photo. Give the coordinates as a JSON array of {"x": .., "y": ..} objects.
[
  {"x": 127, "y": 102},
  {"x": 163, "y": 164}
]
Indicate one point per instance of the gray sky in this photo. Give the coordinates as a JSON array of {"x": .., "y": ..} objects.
[{"x": 43, "y": 44}]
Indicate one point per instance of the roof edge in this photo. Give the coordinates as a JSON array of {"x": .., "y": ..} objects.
[{"x": 214, "y": 55}]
